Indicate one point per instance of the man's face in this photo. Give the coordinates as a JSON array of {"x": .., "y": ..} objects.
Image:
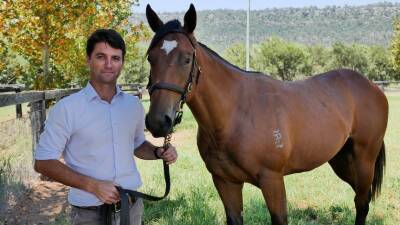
[{"x": 105, "y": 64}]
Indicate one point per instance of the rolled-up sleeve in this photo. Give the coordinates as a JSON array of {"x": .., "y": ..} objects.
[
  {"x": 139, "y": 133},
  {"x": 56, "y": 134}
]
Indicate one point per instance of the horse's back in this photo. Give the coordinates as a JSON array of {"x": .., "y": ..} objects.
[{"x": 367, "y": 102}]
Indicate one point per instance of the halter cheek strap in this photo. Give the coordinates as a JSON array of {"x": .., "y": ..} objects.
[{"x": 175, "y": 88}]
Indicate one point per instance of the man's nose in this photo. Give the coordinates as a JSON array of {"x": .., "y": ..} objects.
[{"x": 108, "y": 63}]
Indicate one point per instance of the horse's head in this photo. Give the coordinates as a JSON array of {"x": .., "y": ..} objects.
[{"x": 172, "y": 57}]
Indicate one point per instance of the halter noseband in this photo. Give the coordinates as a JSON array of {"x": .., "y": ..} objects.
[{"x": 175, "y": 88}]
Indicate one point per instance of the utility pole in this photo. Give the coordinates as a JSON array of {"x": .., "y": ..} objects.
[{"x": 247, "y": 39}]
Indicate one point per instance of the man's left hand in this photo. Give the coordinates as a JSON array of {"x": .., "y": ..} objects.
[{"x": 169, "y": 155}]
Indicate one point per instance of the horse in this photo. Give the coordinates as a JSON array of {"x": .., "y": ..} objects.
[{"x": 256, "y": 129}]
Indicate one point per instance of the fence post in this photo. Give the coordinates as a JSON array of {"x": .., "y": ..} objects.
[
  {"x": 37, "y": 117},
  {"x": 18, "y": 106}
]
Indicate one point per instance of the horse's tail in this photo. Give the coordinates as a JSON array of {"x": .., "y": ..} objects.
[{"x": 379, "y": 171}]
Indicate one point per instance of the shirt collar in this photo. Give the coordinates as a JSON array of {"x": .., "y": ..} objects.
[{"x": 92, "y": 94}]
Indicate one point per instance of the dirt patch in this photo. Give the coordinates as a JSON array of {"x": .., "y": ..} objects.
[{"x": 41, "y": 205}]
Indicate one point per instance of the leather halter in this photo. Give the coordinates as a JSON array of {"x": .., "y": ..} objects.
[{"x": 183, "y": 91}]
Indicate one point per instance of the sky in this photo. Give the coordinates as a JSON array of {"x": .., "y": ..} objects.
[{"x": 182, "y": 5}]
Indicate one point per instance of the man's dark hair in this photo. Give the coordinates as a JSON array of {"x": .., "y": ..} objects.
[{"x": 110, "y": 36}]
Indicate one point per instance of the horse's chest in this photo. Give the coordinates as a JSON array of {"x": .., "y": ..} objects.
[{"x": 221, "y": 164}]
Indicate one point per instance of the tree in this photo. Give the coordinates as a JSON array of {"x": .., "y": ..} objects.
[
  {"x": 317, "y": 59},
  {"x": 236, "y": 54},
  {"x": 136, "y": 69},
  {"x": 349, "y": 56},
  {"x": 395, "y": 49},
  {"x": 279, "y": 58},
  {"x": 51, "y": 35},
  {"x": 380, "y": 67}
]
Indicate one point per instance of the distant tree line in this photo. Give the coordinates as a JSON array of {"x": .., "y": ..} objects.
[
  {"x": 287, "y": 60},
  {"x": 368, "y": 25}
]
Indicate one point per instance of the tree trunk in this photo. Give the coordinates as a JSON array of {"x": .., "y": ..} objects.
[{"x": 46, "y": 74}]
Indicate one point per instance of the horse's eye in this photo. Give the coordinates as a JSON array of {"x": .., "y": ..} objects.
[{"x": 187, "y": 60}]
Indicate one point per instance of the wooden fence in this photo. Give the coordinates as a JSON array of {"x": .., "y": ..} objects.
[
  {"x": 37, "y": 103},
  {"x": 14, "y": 88},
  {"x": 388, "y": 85}
]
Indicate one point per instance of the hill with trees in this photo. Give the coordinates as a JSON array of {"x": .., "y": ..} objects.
[{"x": 368, "y": 25}]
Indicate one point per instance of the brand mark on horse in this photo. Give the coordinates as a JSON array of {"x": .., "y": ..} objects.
[
  {"x": 168, "y": 46},
  {"x": 278, "y": 138}
]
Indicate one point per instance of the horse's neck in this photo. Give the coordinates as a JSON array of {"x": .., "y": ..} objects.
[{"x": 216, "y": 93}]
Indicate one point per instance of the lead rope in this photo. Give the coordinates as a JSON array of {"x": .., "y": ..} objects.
[{"x": 125, "y": 193}]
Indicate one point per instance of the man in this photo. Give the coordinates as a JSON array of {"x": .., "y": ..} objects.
[{"x": 96, "y": 130}]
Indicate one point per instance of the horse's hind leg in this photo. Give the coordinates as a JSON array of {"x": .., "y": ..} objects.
[
  {"x": 231, "y": 196},
  {"x": 355, "y": 164}
]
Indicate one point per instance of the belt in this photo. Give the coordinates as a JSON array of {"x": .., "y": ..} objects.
[{"x": 116, "y": 207}]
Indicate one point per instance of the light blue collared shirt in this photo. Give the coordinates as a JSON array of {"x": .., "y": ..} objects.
[{"x": 96, "y": 139}]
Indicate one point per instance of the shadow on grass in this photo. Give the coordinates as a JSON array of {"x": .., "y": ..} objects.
[
  {"x": 256, "y": 213},
  {"x": 185, "y": 209}
]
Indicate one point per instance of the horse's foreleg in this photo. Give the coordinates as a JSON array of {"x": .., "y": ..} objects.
[
  {"x": 273, "y": 189},
  {"x": 231, "y": 196}
]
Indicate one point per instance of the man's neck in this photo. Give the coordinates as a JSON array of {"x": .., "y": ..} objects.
[{"x": 105, "y": 91}]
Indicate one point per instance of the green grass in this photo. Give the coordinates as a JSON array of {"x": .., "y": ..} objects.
[
  {"x": 316, "y": 197},
  {"x": 16, "y": 170},
  {"x": 9, "y": 112}
]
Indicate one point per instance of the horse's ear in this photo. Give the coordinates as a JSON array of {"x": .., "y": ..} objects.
[
  {"x": 154, "y": 21},
  {"x": 190, "y": 19}
]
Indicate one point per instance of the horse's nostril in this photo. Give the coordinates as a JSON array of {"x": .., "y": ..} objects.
[
  {"x": 168, "y": 121},
  {"x": 146, "y": 122},
  {"x": 159, "y": 126}
]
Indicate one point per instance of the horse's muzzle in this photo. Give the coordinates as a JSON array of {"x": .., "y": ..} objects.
[{"x": 158, "y": 125}]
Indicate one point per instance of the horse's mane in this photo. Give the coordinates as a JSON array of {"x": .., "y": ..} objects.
[{"x": 212, "y": 52}]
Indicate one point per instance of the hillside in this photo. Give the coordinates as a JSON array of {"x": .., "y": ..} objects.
[{"x": 370, "y": 24}]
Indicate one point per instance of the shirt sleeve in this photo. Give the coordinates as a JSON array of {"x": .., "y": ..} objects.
[
  {"x": 139, "y": 132},
  {"x": 56, "y": 134}
]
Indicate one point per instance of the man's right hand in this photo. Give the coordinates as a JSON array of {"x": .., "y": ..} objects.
[{"x": 105, "y": 191}]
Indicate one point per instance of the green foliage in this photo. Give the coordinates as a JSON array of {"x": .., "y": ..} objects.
[
  {"x": 279, "y": 58},
  {"x": 317, "y": 59},
  {"x": 236, "y": 54},
  {"x": 379, "y": 66},
  {"x": 352, "y": 57},
  {"x": 51, "y": 38},
  {"x": 136, "y": 67},
  {"x": 288, "y": 60},
  {"x": 395, "y": 48}
]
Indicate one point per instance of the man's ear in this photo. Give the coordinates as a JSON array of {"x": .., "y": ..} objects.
[
  {"x": 190, "y": 19},
  {"x": 152, "y": 18}
]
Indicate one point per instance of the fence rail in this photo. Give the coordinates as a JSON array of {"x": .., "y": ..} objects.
[
  {"x": 384, "y": 85},
  {"x": 37, "y": 103}
]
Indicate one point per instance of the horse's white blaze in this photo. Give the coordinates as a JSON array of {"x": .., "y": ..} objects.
[{"x": 168, "y": 46}]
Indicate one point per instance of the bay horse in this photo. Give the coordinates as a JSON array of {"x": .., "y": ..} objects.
[{"x": 255, "y": 129}]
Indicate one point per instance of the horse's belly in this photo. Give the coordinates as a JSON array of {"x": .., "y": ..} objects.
[{"x": 313, "y": 154}]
